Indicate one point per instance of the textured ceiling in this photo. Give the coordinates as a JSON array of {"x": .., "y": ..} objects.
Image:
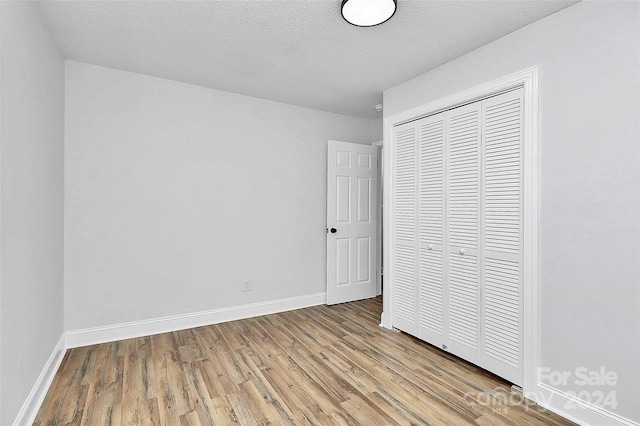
[{"x": 299, "y": 52}]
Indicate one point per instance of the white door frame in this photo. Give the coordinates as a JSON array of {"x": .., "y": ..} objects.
[
  {"x": 528, "y": 79},
  {"x": 379, "y": 207}
]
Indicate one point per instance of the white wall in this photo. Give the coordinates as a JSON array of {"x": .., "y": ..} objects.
[
  {"x": 588, "y": 57},
  {"x": 32, "y": 202},
  {"x": 376, "y": 129},
  {"x": 174, "y": 194}
]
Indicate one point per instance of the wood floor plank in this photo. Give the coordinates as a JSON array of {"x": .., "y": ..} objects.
[
  {"x": 283, "y": 385},
  {"x": 324, "y": 365},
  {"x": 67, "y": 403},
  {"x": 167, "y": 405},
  {"x": 190, "y": 419},
  {"x": 402, "y": 376},
  {"x": 101, "y": 395},
  {"x": 407, "y": 392},
  {"x": 262, "y": 387},
  {"x": 202, "y": 401},
  {"x": 218, "y": 383},
  {"x": 336, "y": 387},
  {"x": 139, "y": 394},
  {"x": 178, "y": 383},
  {"x": 365, "y": 413},
  {"x": 230, "y": 367},
  {"x": 316, "y": 402}
]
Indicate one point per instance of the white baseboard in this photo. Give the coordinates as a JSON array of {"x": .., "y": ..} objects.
[
  {"x": 575, "y": 409},
  {"x": 29, "y": 410},
  {"x": 92, "y": 336}
]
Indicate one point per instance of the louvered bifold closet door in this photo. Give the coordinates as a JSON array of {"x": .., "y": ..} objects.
[
  {"x": 502, "y": 235},
  {"x": 463, "y": 230},
  {"x": 432, "y": 277},
  {"x": 405, "y": 228}
]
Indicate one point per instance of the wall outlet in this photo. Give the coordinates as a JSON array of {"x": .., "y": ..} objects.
[{"x": 246, "y": 285}]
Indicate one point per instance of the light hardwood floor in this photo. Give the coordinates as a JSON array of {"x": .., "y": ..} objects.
[{"x": 323, "y": 365}]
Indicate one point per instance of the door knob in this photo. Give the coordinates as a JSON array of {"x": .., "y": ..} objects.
[
  {"x": 430, "y": 246},
  {"x": 334, "y": 230},
  {"x": 461, "y": 251}
]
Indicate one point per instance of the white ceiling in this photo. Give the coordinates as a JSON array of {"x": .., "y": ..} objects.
[{"x": 299, "y": 52}]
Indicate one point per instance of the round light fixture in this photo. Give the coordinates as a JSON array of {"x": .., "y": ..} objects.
[{"x": 368, "y": 13}]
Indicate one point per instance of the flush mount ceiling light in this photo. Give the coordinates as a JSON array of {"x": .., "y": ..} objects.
[{"x": 368, "y": 13}]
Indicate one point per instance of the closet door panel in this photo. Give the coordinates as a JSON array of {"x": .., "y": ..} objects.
[
  {"x": 502, "y": 235},
  {"x": 432, "y": 287},
  {"x": 463, "y": 211},
  {"x": 405, "y": 259}
]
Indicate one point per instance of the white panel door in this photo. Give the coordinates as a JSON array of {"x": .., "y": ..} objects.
[
  {"x": 351, "y": 222},
  {"x": 502, "y": 235}
]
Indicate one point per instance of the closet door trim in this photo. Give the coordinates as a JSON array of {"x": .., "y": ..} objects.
[{"x": 528, "y": 80}]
